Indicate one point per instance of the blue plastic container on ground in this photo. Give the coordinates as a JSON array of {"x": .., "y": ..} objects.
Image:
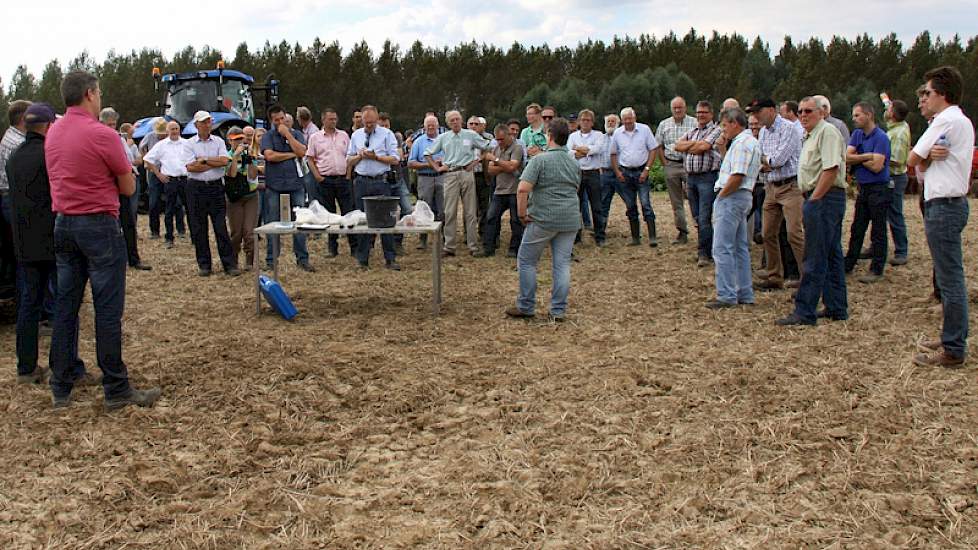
[{"x": 277, "y": 298}]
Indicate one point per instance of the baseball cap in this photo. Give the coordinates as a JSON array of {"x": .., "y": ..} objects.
[
  {"x": 759, "y": 104},
  {"x": 201, "y": 116},
  {"x": 39, "y": 113},
  {"x": 572, "y": 117}
]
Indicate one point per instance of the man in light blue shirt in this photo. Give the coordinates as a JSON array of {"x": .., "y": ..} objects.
[
  {"x": 459, "y": 145},
  {"x": 430, "y": 188},
  {"x": 734, "y": 187},
  {"x": 372, "y": 152},
  {"x": 632, "y": 153},
  {"x": 587, "y": 146}
]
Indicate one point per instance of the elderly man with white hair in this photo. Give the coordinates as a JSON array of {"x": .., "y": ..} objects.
[
  {"x": 430, "y": 188},
  {"x": 633, "y": 149},
  {"x": 826, "y": 107},
  {"x": 459, "y": 145}
]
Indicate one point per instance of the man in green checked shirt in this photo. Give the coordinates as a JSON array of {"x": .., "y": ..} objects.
[{"x": 534, "y": 136}]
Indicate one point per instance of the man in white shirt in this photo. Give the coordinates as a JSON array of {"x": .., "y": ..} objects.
[
  {"x": 168, "y": 161},
  {"x": 587, "y": 147},
  {"x": 944, "y": 154},
  {"x": 206, "y": 200},
  {"x": 632, "y": 153}
]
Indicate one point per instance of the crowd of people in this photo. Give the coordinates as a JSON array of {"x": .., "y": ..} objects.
[{"x": 774, "y": 173}]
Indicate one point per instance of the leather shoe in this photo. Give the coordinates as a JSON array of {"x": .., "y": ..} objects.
[
  {"x": 930, "y": 346},
  {"x": 870, "y": 278},
  {"x": 447, "y": 254},
  {"x": 204, "y": 272},
  {"x": 37, "y": 376},
  {"x": 938, "y": 359},
  {"x": 141, "y": 267},
  {"x": 898, "y": 260},
  {"x": 306, "y": 266},
  {"x": 517, "y": 313},
  {"x": 141, "y": 398},
  {"x": 824, "y": 314},
  {"x": 768, "y": 286},
  {"x": 232, "y": 272},
  {"x": 393, "y": 266},
  {"x": 718, "y": 304},
  {"x": 793, "y": 320}
]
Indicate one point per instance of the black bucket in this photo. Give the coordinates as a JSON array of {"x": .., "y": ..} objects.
[{"x": 381, "y": 211}]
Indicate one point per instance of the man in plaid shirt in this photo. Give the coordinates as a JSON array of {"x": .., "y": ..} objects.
[
  {"x": 700, "y": 148},
  {"x": 781, "y": 149},
  {"x": 667, "y": 134}
]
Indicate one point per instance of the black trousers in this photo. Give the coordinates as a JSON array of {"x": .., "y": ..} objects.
[
  {"x": 128, "y": 222},
  {"x": 483, "y": 193},
  {"x": 872, "y": 206},
  {"x": 206, "y": 202},
  {"x": 336, "y": 193}
]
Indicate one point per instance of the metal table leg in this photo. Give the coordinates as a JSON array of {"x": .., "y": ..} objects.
[
  {"x": 257, "y": 275},
  {"x": 436, "y": 271}
]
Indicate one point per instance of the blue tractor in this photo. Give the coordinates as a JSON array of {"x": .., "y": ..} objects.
[{"x": 228, "y": 95}]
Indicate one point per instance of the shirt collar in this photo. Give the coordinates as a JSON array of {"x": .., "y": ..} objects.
[
  {"x": 78, "y": 110},
  {"x": 557, "y": 148}
]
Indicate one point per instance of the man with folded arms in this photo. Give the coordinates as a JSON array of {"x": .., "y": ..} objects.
[
  {"x": 944, "y": 154},
  {"x": 700, "y": 148},
  {"x": 167, "y": 162},
  {"x": 587, "y": 146},
  {"x": 205, "y": 197}
]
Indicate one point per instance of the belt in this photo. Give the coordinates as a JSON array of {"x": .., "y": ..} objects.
[
  {"x": 428, "y": 174},
  {"x": 377, "y": 177},
  {"x": 680, "y": 161},
  {"x": 594, "y": 171},
  {"x": 456, "y": 168},
  {"x": 779, "y": 183},
  {"x": 334, "y": 177},
  {"x": 946, "y": 200},
  {"x": 633, "y": 169},
  {"x": 207, "y": 182},
  {"x": 175, "y": 177}
]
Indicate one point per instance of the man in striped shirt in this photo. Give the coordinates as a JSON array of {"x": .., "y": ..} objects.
[
  {"x": 899, "y": 133},
  {"x": 667, "y": 134},
  {"x": 701, "y": 151}
]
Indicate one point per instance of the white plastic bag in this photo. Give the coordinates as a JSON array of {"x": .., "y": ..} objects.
[
  {"x": 423, "y": 214},
  {"x": 353, "y": 219},
  {"x": 323, "y": 215},
  {"x": 407, "y": 221}
]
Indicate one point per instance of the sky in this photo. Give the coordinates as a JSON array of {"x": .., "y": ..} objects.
[{"x": 127, "y": 25}]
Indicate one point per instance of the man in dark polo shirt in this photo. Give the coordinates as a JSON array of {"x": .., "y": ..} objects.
[
  {"x": 88, "y": 170},
  {"x": 282, "y": 146},
  {"x": 869, "y": 154},
  {"x": 33, "y": 238}
]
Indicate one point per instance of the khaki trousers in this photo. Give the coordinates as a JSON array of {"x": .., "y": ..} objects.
[
  {"x": 676, "y": 183},
  {"x": 243, "y": 217},
  {"x": 782, "y": 202},
  {"x": 461, "y": 185}
]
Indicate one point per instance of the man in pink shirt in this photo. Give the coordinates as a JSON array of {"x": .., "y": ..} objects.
[
  {"x": 88, "y": 170},
  {"x": 326, "y": 152}
]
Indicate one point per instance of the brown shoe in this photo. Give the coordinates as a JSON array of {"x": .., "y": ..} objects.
[
  {"x": 938, "y": 359},
  {"x": 930, "y": 346},
  {"x": 768, "y": 285},
  {"x": 518, "y": 313}
]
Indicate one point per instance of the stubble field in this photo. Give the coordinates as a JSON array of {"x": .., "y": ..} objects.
[{"x": 644, "y": 421}]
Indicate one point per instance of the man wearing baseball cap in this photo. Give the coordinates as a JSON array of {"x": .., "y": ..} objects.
[{"x": 205, "y": 197}]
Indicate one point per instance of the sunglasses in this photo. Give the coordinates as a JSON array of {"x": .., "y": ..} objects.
[
  {"x": 806, "y": 111},
  {"x": 926, "y": 93},
  {"x": 547, "y": 118}
]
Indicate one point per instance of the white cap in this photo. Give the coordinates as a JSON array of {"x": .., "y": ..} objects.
[{"x": 201, "y": 116}]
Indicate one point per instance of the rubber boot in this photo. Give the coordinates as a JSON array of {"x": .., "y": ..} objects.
[
  {"x": 636, "y": 234},
  {"x": 652, "y": 241}
]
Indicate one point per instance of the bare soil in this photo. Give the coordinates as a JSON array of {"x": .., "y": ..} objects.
[{"x": 644, "y": 421}]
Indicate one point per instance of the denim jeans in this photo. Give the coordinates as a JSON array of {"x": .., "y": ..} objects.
[
  {"x": 207, "y": 202},
  {"x": 872, "y": 205},
  {"x": 336, "y": 195},
  {"x": 634, "y": 187},
  {"x": 127, "y": 220},
  {"x": 399, "y": 189},
  {"x": 89, "y": 248},
  {"x": 944, "y": 220},
  {"x": 175, "y": 192},
  {"x": 154, "y": 191},
  {"x": 585, "y": 197},
  {"x": 731, "y": 249},
  {"x": 607, "y": 193},
  {"x": 535, "y": 240},
  {"x": 271, "y": 214},
  {"x": 499, "y": 205},
  {"x": 484, "y": 189},
  {"x": 33, "y": 281},
  {"x": 432, "y": 190},
  {"x": 368, "y": 187},
  {"x": 898, "y": 226},
  {"x": 311, "y": 188},
  {"x": 758, "y": 208},
  {"x": 589, "y": 193},
  {"x": 699, "y": 188},
  {"x": 823, "y": 270}
]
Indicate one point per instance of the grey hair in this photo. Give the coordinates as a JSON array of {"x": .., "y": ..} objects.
[
  {"x": 108, "y": 114},
  {"x": 450, "y": 113},
  {"x": 627, "y": 111},
  {"x": 430, "y": 117},
  {"x": 734, "y": 114},
  {"x": 823, "y": 103}
]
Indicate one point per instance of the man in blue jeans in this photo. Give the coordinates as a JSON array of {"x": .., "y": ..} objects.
[
  {"x": 822, "y": 180},
  {"x": 632, "y": 153},
  {"x": 608, "y": 179},
  {"x": 283, "y": 148},
  {"x": 899, "y": 133},
  {"x": 944, "y": 154},
  {"x": 701, "y": 159},
  {"x": 549, "y": 207},
  {"x": 88, "y": 242},
  {"x": 734, "y": 188}
]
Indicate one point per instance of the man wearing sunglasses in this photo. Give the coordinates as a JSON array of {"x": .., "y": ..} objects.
[
  {"x": 822, "y": 178},
  {"x": 944, "y": 154}
]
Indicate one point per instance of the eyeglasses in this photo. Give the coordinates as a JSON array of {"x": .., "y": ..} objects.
[
  {"x": 926, "y": 93},
  {"x": 704, "y": 113},
  {"x": 805, "y": 111},
  {"x": 547, "y": 117}
]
